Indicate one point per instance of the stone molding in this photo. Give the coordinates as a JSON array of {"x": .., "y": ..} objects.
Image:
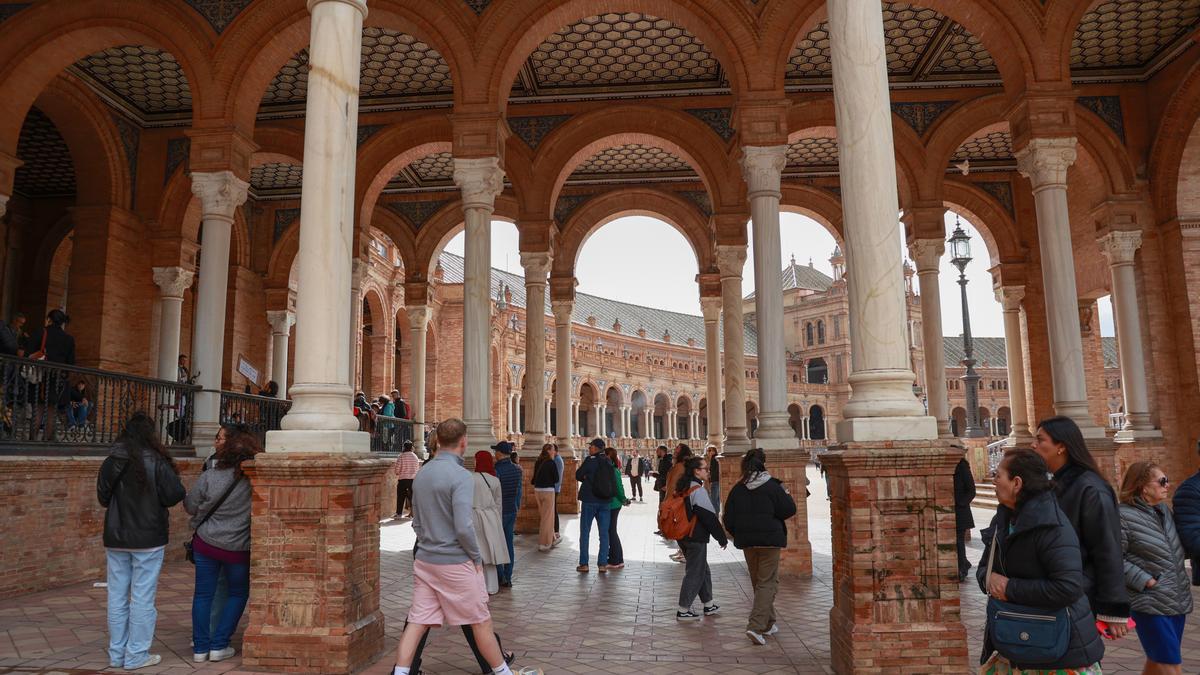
[
  {"x": 1120, "y": 246},
  {"x": 562, "y": 311},
  {"x": 711, "y": 309},
  {"x": 762, "y": 168},
  {"x": 730, "y": 260},
  {"x": 220, "y": 193},
  {"x": 173, "y": 281},
  {"x": 281, "y": 321},
  {"x": 537, "y": 267},
  {"x": 1010, "y": 297},
  {"x": 480, "y": 180},
  {"x": 927, "y": 253},
  {"x": 1044, "y": 161},
  {"x": 418, "y": 315}
]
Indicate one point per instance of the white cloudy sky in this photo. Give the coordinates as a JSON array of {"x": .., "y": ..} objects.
[{"x": 646, "y": 261}]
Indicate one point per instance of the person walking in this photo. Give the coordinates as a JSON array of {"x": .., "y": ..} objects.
[
  {"x": 448, "y": 580},
  {"x": 636, "y": 467},
  {"x": 489, "y": 525},
  {"x": 138, "y": 482},
  {"x": 596, "y": 507},
  {"x": 406, "y": 466},
  {"x": 511, "y": 478},
  {"x": 1187, "y": 519},
  {"x": 682, "y": 454},
  {"x": 219, "y": 503},
  {"x": 1160, "y": 594},
  {"x": 964, "y": 521},
  {"x": 545, "y": 477},
  {"x": 1091, "y": 506},
  {"x": 714, "y": 477},
  {"x": 755, "y": 516},
  {"x": 616, "y": 554},
  {"x": 1032, "y": 557},
  {"x": 697, "y": 579},
  {"x": 560, "y": 466}
]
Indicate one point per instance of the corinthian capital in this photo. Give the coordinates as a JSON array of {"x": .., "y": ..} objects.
[
  {"x": 479, "y": 179},
  {"x": 562, "y": 311},
  {"x": 537, "y": 266},
  {"x": 1010, "y": 297},
  {"x": 1044, "y": 161},
  {"x": 1120, "y": 246},
  {"x": 418, "y": 316},
  {"x": 220, "y": 193},
  {"x": 731, "y": 260},
  {"x": 927, "y": 253},
  {"x": 281, "y": 321},
  {"x": 711, "y": 309},
  {"x": 762, "y": 167},
  {"x": 173, "y": 281}
]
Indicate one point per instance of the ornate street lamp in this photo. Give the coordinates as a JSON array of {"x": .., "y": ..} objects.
[{"x": 960, "y": 250}]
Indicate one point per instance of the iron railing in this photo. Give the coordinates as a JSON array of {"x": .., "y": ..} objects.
[
  {"x": 995, "y": 454},
  {"x": 390, "y": 433},
  {"x": 38, "y": 413},
  {"x": 260, "y": 413}
]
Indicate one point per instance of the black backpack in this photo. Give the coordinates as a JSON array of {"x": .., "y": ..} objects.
[{"x": 604, "y": 482}]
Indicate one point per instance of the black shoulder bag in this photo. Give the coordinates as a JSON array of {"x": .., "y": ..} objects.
[{"x": 187, "y": 545}]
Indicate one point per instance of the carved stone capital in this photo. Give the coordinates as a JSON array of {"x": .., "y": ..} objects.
[
  {"x": 219, "y": 192},
  {"x": 281, "y": 321},
  {"x": 731, "y": 259},
  {"x": 1120, "y": 246},
  {"x": 537, "y": 266},
  {"x": 173, "y": 281},
  {"x": 711, "y": 309},
  {"x": 927, "y": 253},
  {"x": 480, "y": 180},
  {"x": 1010, "y": 297},
  {"x": 418, "y": 316},
  {"x": 762, "y": 167},
  {"x": 1044, "y": 161},
  {"x": 562, "y": 311}
]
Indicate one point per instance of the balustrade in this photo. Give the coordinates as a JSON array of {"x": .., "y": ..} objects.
[{"x": 259, "y": 413}]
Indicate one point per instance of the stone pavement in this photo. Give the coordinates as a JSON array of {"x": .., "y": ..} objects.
[{"x": 553, "y": 617}]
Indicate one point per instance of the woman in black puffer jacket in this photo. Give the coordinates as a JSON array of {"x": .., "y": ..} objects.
[{"x": 1037, "y": 560}]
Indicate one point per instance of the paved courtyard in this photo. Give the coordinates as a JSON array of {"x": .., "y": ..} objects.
[{"x": 553, "y": 617}]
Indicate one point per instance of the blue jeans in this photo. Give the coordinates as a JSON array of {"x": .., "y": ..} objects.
[
  {"x": 207, "y": 572},
  {"x": 77, "y": 415},
  {"x": 510, "y": 524},
  {"x": 218, "y": 602},
  {"x": 132, "y": 585},
  {"x": 602, "y": 513}
]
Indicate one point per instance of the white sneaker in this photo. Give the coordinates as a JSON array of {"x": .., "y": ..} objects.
[
  {"x": 756, "y": 638},
  {"x": 772, "y": 630},
  {"x": 151, "y": 660},
  {"x": 544, "y": 548},
  {"x": 200, "y": 657},
  {"x": 221, "y": 654}
]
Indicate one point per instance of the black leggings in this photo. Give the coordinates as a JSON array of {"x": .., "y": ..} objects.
[
  {"x": 467, "y": 633},
  {"x": 635, "y": 487}
]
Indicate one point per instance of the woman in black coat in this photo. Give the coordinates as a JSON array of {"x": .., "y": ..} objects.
[
  {"x": 964, "y": 521},
  {"x": 1091, "y": 506},
  {"x": 1037, "y": 561}
]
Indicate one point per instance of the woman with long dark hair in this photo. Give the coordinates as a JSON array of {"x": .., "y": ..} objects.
[
  {"x": 220, "y": 506},
  {"x": 138, "y": 482},
  {"x": 545, "y": 476},
  {"x": 682, "y": 454},
  {"x": 697, "y": 580},
  {"x": 1091, "y": 506}
]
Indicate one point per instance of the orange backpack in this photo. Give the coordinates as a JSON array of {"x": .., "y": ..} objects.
[{"x": 673, "y": 520}]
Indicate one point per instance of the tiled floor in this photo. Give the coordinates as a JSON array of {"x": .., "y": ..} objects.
[{"x": 553, "y": 617}]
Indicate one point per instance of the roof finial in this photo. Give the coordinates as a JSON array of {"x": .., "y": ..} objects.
[{"x": 793, "y": 259}]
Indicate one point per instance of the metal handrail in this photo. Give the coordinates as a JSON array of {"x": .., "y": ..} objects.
[
  {"x": 260, "y": 413},
  {"x": 390, "y": 433}
]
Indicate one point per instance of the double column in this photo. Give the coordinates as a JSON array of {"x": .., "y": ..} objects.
[
  {"x": 479, "y": 180},
  {"x": 1044, "y": 161},
  {"x": 537, "y": 266},
  {"x": 927, "y": 253},
  {"x": 711, "y": 309},
  {"x": 1010, "y": 298},
  {"x": 220, "y": 193},
  {"x": 418, "y": 327},
  {"x": 281, "y": 326},
  {"x": 730, "y": 261},
  {"x": 1120, "y": 247},
  {"x": 562, "y": 366},
  {"x": 171, "y": 282}
]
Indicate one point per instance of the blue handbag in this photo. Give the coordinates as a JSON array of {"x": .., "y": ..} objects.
[{"x": 1027, "y": 636}]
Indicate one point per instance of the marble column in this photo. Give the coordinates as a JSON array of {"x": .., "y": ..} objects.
[
  {"x": 537, "y": 267},
  {"x": 927, "y": 253},
  {"x": 1044, "y": 161},
  {"x": 418, "y": 327},
  {"x": 479, "y": 180},
  {"x": 521, "y": 423},
  {"x": 730, "y": 261},
  {"x": 1120, "y": 247},
  {"x": 711, "y": 309},
  {"x": 562, "y": 367},
  {"x": 171, "y": 282},
  {"x": 281, "y": 326},
  {"x": 220, "y": 194},
  {"x": 546, "y": 416},
  {"x": 762, "y": 168},
  {"x": 1010, "y": 298},
  {"x": 358, "y": 270}
]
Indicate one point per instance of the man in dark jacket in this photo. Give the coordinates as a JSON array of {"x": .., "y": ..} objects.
[
  {"x": 637, "y": 468},
  {"x": 594, "y": 508},
  {"x": 1187, "y": 519},
  {"x": 964, "y": 521},
  {"x": 10, "y": 335},
  {"x": 511, "y": 479},
  {"x": 59, "y": 346}
]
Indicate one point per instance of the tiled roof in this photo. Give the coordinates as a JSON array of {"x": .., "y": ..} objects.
[
  {"x": 990, "y": 350},
  {"x": 804, "y": 277}
]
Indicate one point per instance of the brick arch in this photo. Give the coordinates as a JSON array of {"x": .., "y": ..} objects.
[
  {"x": 442, "y": 227},
  {"x": 283, "y": 256},
  {"x": 1062, "y": 18},
  {"x": 42, "y": 40},
  {"x": 284, "y": 143},
  {"x": 1101, "y": 142},
  {"x": 267, "y": 34},
  {"x": 101, "y": 167},
  {"x": 678, "y": 132},
  {"x": 374, "y": 296},
  {"x": 995, "y": 226},
  {"x": 1168, "y": 155},
  {"x": 393, "y": 148},
  {"x": 399, "y": 232},
  {"x": 1010, "y": 29},
  {"x": 602, "y": 209},
  {"x": 956, "y": 126},
  {"x": 819, "y": 204},
  {"x": 727, "y": 29},
  {"x": 179, "y": 210}
]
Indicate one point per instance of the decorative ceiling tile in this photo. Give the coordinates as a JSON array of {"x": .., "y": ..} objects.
[
  {"x": 367, "y": 131},
  {"x": 276, "y": 176},
  {"x": 131, "y": 138},
  {"x": 996, "y": 145},
  {"x": 283, "y": 220},
  {"x": 964, "y": 53},
  {"x": 701, "y": 199},
  {"x": 567, "y": 204},
  {"x": 633, "y": 158},
  {"x": 1107, "y": 108},
  {"x": 1119, "y": 34},
  {"x": 147, "y": 79},
  {"x": 813, "y": 152},
  {"x": 219, "y": 13},
  {"x": 9, "y": 10},
  {"x": 920, "y": 116},
  {"x": 48, "y": 169},
  {"x": 435, "y": 168},
  {"x": 1002, "y": 191},
  {"x": 535, "y": 128},
  {"x": 478, "y": 6},
  {"x": 908, "y": 30},
  {"x": 719, "y": 120},
  {"x": 178, "y": 150},
  {"x": 417, "y": 213}
]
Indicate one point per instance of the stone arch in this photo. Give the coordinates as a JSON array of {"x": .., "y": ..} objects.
[
  {"x": 277, "y": 143},
  {"x": 603, "y": 209},
  {"x": 816, "y": 423},
  {"x": 613, "y": 395},
  {"x": 727, "y": 29},
  {"x": 390, "y": 224},
  {"x": 994, "y": 224},
  {"x": 1004, "y": 419},
  {"x": 1101, "y": 142},
  {"x": 958, "y": 420},
  {"x": 1175, "y": 190},
  {"x": 443, "y": 226},
  {"x": 816, "y": 203},
  {"x": 955, "y": 126},
  {"x": 393, "y": 148}
]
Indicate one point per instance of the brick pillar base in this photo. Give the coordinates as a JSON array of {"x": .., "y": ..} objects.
[
  {"x": 314, "y": 577},
  {"x": 568, "y": 499},
  {"x": 895, "y": 570}
]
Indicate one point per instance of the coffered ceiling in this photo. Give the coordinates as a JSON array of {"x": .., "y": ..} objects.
[{"x": 47, "y": 170}]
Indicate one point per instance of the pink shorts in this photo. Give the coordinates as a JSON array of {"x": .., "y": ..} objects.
[{"x": 454, "y": 595}]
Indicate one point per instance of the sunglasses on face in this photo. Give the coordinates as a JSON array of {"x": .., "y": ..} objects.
[{"x": 1164, "y": 481}]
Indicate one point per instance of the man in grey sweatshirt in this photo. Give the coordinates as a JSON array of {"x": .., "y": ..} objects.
[{"x": 448, "y": 583}]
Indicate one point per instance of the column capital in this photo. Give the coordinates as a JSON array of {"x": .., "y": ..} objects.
[
  {"x": 360, "y": 5},
  {"x": 358, "y": 270},
  {"x": 480, "y": 179},
  {"x": 711, "y": 309},
  {"x": 1044, "y": 161},
  {"x": 1010, "y": 297},
  {"x": 220, "y": 193},
  {"x": 537, "y": 266},
  {"x": 762, "y": 168},
  {"x": 281, "y": 321},
  {"x": 730, "y": 260},
  {"x": 418, "y": 315},
  {"x": 927, "y": 253},
  {"x": 562, "y": 311},
  {"x": 173, "y": 281},
  {"x": 1119, "y": 246}
]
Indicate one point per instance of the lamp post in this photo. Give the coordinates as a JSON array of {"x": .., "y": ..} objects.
[{"x": 960, "y": 249}]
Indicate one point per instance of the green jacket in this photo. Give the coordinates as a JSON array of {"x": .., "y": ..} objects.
[{"x": 619, "y": 500}]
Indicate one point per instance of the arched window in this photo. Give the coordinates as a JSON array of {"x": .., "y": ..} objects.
[
  {"x": 821, "y": 332},
  {"x": 808, "y": 334}
]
